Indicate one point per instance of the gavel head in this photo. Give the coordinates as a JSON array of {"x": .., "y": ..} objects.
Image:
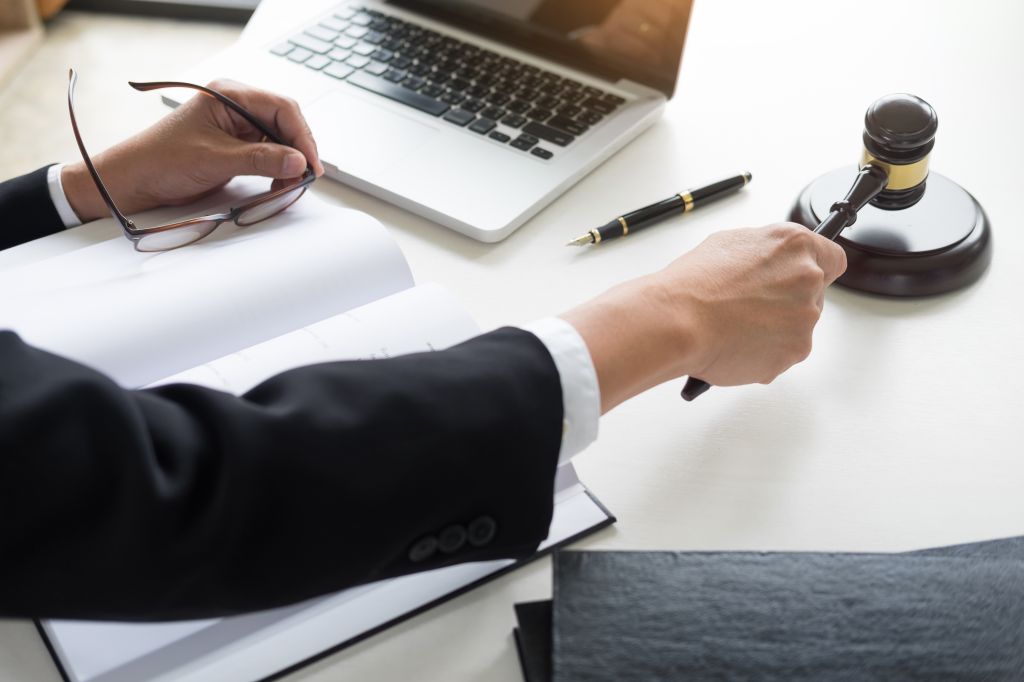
[{"x": 899, "y": 133}]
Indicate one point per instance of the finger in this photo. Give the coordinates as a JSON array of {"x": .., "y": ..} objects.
[
  {"x": 280, "y": 114},
  {"x": 266, "y": 159},
  {"x": 831, "y": 258}
]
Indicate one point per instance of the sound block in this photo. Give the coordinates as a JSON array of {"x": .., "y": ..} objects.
[{"x": 941, "y": 243}]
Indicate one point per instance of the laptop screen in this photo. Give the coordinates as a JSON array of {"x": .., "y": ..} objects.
[{"x": 641, "y": 40}]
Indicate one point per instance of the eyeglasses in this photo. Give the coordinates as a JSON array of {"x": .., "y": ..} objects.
[{"x": 184, "y": 232}]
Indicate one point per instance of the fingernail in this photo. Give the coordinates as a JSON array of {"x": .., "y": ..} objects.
[{"x": 293, "y": 165}]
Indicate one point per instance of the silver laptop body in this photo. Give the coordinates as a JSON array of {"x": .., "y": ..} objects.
[{"x": 441, "y": 157}]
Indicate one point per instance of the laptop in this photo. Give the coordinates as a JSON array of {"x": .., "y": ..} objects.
[{"x": 472, "y": 113}]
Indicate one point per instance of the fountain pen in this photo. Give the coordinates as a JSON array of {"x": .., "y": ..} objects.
[{"x": 649, "y": 215}]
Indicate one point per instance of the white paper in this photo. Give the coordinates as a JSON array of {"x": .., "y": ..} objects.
[
  {"x": 141, "y": 317},
  {"x": 423, "y": 318}
]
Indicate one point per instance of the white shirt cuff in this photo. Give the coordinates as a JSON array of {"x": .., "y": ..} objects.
[
  {"x": 581, "y": 396},
  {"x": 59, "y": 199}
]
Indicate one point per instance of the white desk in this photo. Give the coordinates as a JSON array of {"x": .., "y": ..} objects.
[{"x": 904, "y": 429}]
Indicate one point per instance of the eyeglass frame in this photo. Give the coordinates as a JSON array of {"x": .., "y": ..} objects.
[{"x": 134, "y": 233}]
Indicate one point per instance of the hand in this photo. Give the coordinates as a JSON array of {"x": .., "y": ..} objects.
[
  {"x": 738, "y": 309},
  {"x": 193, "y": 151}
]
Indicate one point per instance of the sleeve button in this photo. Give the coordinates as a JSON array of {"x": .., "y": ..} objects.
[
  {"x": 482, "y": 530},
  {"x": 423, "y": 549},
  {"x": 451, "y": 539}
]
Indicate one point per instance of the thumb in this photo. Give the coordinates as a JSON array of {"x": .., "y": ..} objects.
[{"x": 269, "y": 160}]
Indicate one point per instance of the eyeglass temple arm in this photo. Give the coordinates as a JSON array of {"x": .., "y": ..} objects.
[
  {"x": 114, "y": 211},
  {"x": 220, "y": 97}
]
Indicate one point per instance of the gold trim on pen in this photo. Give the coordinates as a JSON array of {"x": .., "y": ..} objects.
[
  {"x": 900, "y": 177},
  {"x": 687, "y": 201},
  {"x": 596, "y": 235},
  {"x": 625, "y": 226}
]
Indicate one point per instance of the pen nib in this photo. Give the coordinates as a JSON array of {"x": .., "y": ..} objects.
[{"x": 582, "y": 241}]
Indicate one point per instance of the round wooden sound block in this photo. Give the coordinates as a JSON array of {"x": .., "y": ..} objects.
[{"x": 941, "y": 243}]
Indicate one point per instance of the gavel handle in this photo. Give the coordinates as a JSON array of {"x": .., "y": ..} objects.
[{"x": 869, "y": 183}]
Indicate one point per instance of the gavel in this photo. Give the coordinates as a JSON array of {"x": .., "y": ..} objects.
[{"x": 913, "y": 242}]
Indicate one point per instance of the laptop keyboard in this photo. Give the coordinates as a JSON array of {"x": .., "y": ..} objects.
[{"x": 510, "y": 102}]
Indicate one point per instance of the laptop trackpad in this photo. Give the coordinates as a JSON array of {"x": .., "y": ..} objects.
[{"x": 360, "y": 138}]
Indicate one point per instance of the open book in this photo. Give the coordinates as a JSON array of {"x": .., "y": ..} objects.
[{"x": 316, "y": 284}]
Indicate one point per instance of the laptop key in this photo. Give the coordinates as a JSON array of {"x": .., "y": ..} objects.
[
  {"x": 334, "y": 23},
  {"x": 591, "y": 118},
  {"x": 548, "y": 133},
  {"x": 599, "y": 105},
  {"x": 432, "y": 91},
  {"x": 376, "y": 68},
  {"x": 614, "y": 100},
  {"x": 459, "y": 117},
  {"x": 364, "y": 49},
  {"x": 383, "y": 55},
  {"x": 539, "y": 114},
  {"x": 396, "y": 92},
  {"x": 568, "y": 125},
  {"x": 482, "y": 126},
  {"x": 339, "y": 55},
  {"x": 357, "y": 31},
  {"x": 514, "y": 120},
  {"x": 519, "y": 106},
  {"x": 323, "y": 33},
  {"x": 541, "y": 152},
  {"x": 494, "y": 113},
  {"x": 394, "y": 75},
  {"x": 413, "y": 82},
  {"x": 473, "y": 105},
  {"x": 346, "y": 43},
  {"x": 339, "y": 71},
  {"x": 282, "y": 49},
  {"x": 357, "y": 61},
  {"x": 312, "y": 44},
  {"x": 317, "y": 62},
  {"x": 299, "y": 55},
  {"x": 524, "y": 142},
  {"x": 499, "y": 136},
  {"x": 452, "y": 97}
]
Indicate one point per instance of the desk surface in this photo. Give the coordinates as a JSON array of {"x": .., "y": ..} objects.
[{"x": 902, "y": 430}]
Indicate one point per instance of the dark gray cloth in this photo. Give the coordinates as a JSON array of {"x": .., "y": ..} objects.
[{"x": 803, "y": 616}]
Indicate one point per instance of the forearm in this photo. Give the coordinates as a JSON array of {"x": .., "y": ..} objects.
[{"x": 186, "y": 502}]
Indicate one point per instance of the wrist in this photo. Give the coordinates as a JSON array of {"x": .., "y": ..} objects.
[
  {"x": 639, "y": 335},
  {"x": 81, "y": 192}
]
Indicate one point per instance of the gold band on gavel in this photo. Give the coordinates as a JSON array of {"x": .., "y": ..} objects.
[
  {"x": 625, "y": 226},
  {"x": 900, "y": 177},
  {"x": 687, "y": 201}
]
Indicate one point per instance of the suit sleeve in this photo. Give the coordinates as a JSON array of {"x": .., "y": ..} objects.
[
  {"x": 185, "y": 502},
  {"x": 26, "y": 210}
]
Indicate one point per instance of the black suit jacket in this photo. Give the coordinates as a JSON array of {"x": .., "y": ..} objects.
[{"x": 183, "y": 502}]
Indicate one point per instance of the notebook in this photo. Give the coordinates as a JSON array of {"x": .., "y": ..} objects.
[
  {"x": 317, "y": 283},
  {"x": 533, "y": 634}
]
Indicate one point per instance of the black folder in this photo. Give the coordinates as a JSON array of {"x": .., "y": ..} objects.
[{"x": 941, "y": 608}]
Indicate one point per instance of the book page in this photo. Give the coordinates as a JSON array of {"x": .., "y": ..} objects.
[
  {"x": 142, "y": 317},
  {"x": 422, "y": 318}
]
